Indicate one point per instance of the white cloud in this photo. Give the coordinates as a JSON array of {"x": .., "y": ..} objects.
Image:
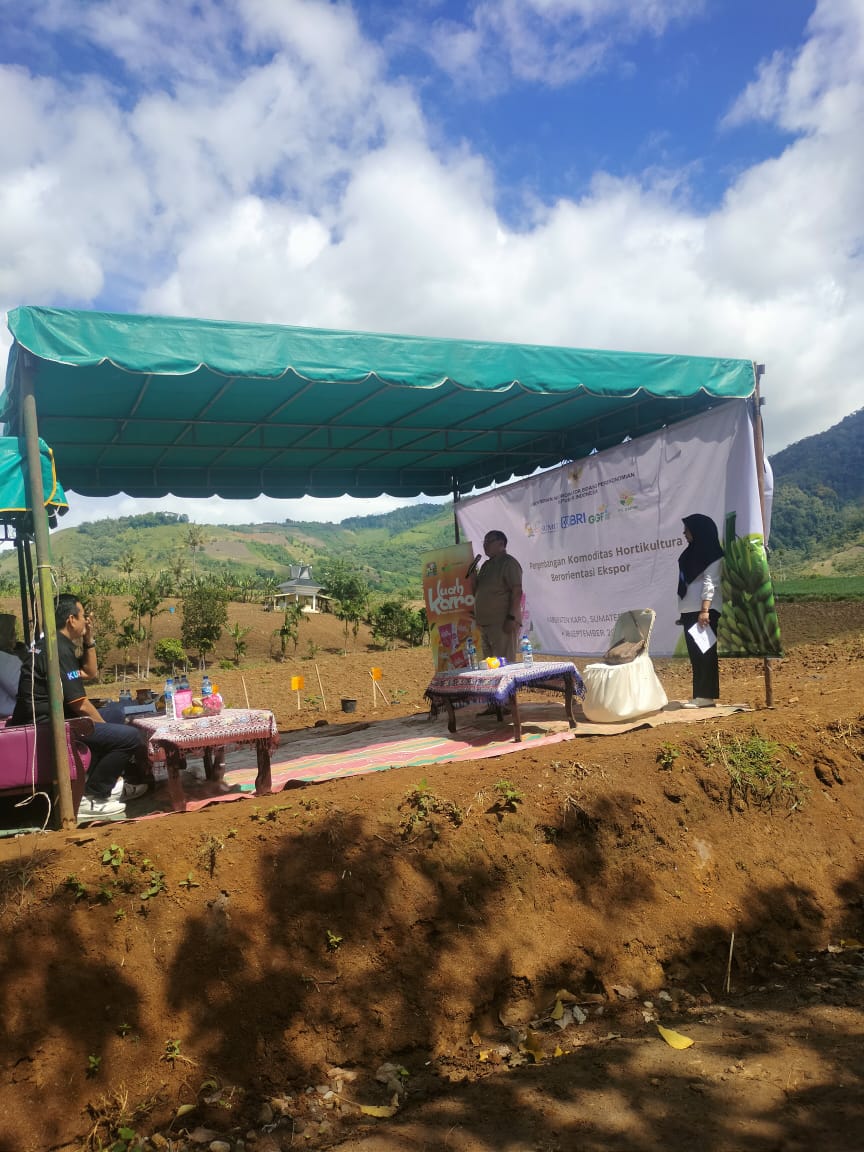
[
  {"x": 549, "y": 42},
  {"x": 301, "y": 186}
]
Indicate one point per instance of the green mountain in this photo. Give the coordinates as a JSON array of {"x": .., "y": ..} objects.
[
  {"x": 817, "y": 527},
  {"x": 386, "y": 547},
  {"x": 818, "y": 518}
]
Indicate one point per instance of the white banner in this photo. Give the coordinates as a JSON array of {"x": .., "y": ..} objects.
[{"x": 603, "y": 535}]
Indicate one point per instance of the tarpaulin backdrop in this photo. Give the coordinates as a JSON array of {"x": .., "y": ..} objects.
[{"x": 603, "y": 535}]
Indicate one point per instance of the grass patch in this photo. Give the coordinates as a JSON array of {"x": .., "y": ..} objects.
[
  {"x": 756, "y": 771},
  {"x": 804, "y": 588}
]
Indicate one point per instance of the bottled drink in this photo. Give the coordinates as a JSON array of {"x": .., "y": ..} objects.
[
  {"x": 125, "y": 696},
  {"x": 169, "y": 698},
  {"x": 183, "y": 686},
  {"x": 471, "y": 652},
  {"x": 206, "y": 687},
  {"x": 527, "y": 651}
]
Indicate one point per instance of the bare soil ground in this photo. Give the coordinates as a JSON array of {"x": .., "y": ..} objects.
[{"x": 493, "y": 974}]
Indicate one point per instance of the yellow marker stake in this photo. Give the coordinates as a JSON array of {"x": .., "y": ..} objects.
[
  {"x": 375, "y": 673},
  {"x": 297, "y": 683}
]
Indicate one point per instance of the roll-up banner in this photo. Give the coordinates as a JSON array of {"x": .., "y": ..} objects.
[
  {"x": 448, "y": 598},
  {"x": 602, "y": 535}
]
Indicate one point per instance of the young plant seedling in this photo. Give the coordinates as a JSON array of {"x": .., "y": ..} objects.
[
  {"x": 667, "y": 754},
  {"x": 75, "y": 886},
  {"x": 172, "y": 1054},
  {"x": 333, "y": 941},
  {"x": 189, "y": 882},
  {"x": 114, "y": 856},
  {"x": 157, "y": 885},
  {"x": 211, "y": 846},
  {"x": 508, "y": 796},
  {"x": 423, "y": 806},
  {"x": 94, "y": 1066},
  {"x": 127, "y": 1140}
]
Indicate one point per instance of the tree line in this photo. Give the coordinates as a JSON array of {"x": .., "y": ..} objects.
[{"x": 203, "y": 598}]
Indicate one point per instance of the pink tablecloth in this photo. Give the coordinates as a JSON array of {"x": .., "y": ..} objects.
[
  {"x": 501, "y": 684},
  {"x": 234, "y": 726}
]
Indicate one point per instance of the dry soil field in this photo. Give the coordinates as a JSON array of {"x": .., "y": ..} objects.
[{"x": 491, "y": 976}]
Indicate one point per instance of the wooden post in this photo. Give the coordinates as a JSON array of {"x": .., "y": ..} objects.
[
  {"x": 759, "y": 449},
  {"x": 36, "y": 497}
]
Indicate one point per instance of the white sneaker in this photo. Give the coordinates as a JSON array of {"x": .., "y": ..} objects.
[
  {"x": 97, "y": 808},
  {"x": 700, "y": 702},
  {"x": 135, "y": 791},
  {"x": 117, "y": 790}
]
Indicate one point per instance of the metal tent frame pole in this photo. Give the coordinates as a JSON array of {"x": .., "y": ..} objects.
[
  {"x": 759, "y": 449},
  {"x": 22, "y": 549},
  {"x": 46, "y": 597}
]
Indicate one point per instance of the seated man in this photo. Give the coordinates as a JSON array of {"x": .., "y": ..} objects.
[
  {"x": 116, "y": 748},
  {"x": 10, "y": 665}
]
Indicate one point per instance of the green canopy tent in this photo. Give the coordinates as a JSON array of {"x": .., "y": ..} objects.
[
  {"x": 16, "y": 518},
  {"x": 150, "y": 405}
]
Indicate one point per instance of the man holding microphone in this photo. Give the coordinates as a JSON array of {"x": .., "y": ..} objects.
[{"x": 498, "y": 598}]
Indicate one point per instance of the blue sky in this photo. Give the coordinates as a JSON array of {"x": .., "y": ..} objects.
[{"x": 654, "y": 175}]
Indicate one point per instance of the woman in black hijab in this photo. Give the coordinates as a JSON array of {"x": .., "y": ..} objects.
[{"x": 701, "y": 600}]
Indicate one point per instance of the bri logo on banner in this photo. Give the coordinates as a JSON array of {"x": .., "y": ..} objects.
[{"x": 568, "y": 520}]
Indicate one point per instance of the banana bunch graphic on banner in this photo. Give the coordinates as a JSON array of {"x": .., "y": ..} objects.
[{"x": 749, "y": 625}]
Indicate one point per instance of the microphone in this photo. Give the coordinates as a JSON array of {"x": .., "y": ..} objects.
[{"x": 473, "y": 566}]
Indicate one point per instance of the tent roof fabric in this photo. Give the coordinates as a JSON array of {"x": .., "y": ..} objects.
[{"x": 149, "y": 405}]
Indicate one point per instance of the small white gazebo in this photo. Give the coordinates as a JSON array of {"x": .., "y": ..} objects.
[{"x": 301, "y": 589}]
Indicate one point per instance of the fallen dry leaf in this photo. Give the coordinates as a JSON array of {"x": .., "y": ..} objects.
[
  {"x": 532, "y": 1047},
  {"x": 384, "y": 1112},
  {"x": 674, "y": 1039}
]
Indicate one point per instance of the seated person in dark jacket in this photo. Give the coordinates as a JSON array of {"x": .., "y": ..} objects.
[
  {"x": 10, "y": 665},
  {"x": 117, "y": 749}
]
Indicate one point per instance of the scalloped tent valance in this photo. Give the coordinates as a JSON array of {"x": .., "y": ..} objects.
[{"x": 149, "y": 405}]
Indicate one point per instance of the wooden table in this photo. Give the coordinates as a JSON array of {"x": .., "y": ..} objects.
[
  {"x": 499, "y": 687},
  {"x": 171, "y": 741}
]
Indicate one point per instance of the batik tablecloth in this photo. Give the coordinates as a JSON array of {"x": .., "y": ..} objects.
[
  {"x": 193, "y": 736},
  {"x": 500, "y": 685}
]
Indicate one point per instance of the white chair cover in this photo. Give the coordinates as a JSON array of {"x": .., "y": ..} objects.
[{"x": 624, "y": 691}]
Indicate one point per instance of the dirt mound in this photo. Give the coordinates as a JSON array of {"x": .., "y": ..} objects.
[{"x": 486, "y": 947}]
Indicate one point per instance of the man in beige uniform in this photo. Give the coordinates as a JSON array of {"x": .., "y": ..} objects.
[{"x": 498, "y": 598}]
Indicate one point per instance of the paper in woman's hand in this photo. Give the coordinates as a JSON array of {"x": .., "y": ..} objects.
[{"x": 705, "y": 637}]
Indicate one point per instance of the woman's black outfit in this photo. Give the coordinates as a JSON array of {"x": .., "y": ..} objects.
[{"x": 699, "y": 579}]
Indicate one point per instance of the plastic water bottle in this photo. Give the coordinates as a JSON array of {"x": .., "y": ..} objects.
[
  {"x": 125, "y": 696},
  {"x": 206, "y": 687},
  {"x": 183, "y": 686},
  {"x": 527, "y": 651},
  {"x": 169, "y": 698},
  {"x": 471, "y": 652}
]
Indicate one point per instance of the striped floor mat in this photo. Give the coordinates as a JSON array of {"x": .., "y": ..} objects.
[{"x": 341, "y": 751}]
